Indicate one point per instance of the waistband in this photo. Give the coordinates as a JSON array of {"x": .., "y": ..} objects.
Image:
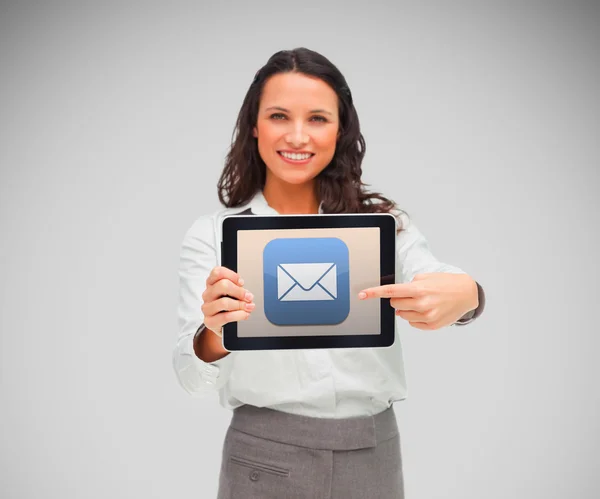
[{"x": 315, "y": 433}]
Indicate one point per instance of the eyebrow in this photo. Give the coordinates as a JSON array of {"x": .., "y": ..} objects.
[{"x": 287, "y": 110}]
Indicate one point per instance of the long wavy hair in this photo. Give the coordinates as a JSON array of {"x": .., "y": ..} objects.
[{"x": 339, "y": 186}]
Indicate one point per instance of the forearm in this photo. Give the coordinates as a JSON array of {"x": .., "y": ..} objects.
[{"x": 209, "y": 347}]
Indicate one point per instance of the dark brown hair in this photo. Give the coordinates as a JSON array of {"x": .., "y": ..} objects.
[{"x": 339, "y": 185}]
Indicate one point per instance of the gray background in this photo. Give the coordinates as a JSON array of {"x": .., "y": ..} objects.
[{"x": 481, "y": 120}]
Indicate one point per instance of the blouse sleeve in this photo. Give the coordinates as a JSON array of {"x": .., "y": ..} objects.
[
  {"x": 198, "y": 257},
  {"x": 413, "y": 256}
]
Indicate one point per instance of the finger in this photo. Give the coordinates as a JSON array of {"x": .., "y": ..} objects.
[
  {"x": 422, "y": 325},
  {"x": 217, "y": 321},
  {"x": 225, "y": 287},
  {"x": 404, "y": 290},
  {"x": 407, "y": 304},
  {"x": 411, "y": 316},
  {"x": 226, "y": 304},
  {"x": 430, "y": 325},
  {"x": 219, "y": 273}
]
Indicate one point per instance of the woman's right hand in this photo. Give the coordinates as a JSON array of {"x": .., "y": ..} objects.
[{"x": 225, "y": 300}]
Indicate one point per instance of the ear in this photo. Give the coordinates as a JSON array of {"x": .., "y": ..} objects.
[{"x": 254, "y": 132}]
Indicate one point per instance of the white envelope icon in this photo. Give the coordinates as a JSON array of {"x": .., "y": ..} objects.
[{"x": 306, "y": 281}]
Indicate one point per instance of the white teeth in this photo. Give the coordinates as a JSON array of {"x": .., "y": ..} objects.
[{"x": 295, "y": 157}]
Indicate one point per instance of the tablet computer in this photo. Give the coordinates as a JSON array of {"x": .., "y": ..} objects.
[{"x": 305, "y": 272}]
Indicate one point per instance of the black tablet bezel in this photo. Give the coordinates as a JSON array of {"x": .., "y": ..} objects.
[{"x": 387, "y": 245}]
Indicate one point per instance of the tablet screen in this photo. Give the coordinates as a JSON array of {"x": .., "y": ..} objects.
[{"x": 306, "y": 281}]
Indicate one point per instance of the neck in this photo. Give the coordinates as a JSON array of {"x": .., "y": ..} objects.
[{"x": 289, "y": 199}]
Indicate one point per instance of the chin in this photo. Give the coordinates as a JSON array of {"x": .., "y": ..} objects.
[
  {"x": 297, "y": 179},
  {"x": 294, "y": 177}
]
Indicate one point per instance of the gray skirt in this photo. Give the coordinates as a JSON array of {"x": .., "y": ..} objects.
[{"x": 270, "y": 454}]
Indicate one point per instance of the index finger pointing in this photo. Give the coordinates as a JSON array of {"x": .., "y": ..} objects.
[
  {"x": 219, "y": 273},
  {"x": 406, "y": 290}
]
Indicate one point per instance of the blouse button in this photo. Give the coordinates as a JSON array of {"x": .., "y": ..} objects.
[{"x": 254, "y": 475}]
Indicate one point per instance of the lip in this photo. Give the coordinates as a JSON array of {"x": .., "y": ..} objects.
[
  {"x": 292, "y": 151},
  {"x": 295, "y": 162}
]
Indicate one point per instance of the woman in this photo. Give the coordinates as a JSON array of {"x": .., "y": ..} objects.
[{"x": 306, "y": 423}]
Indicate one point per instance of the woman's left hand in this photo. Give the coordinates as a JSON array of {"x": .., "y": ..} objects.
[{"x": 430, "y": 301}]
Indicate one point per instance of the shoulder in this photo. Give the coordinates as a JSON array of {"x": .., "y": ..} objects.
[
  {"x": 408, "y": 235},
  {"x": 405, "y": 225},
  {"x": 208, "y": 226}
]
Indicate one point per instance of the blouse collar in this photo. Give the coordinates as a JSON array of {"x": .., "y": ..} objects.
[{"x": 258, "y": 206}]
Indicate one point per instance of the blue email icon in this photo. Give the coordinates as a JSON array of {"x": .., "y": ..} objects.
[{"x": 306, "y": 281}]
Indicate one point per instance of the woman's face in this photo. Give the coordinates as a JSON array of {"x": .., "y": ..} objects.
[{"x": 297, "y": 127}]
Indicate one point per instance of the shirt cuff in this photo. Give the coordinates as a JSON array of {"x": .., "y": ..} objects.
[
  {"x": 473, "y": 314},
  {"x": 210, "y": 372}
]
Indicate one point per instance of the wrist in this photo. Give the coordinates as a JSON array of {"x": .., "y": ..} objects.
[
  {"x": 218, "y": 332},
  {"x": 474, "y": 301},
  {"x": 208, "y": 347},
  {"x": 477, "y": 307}
]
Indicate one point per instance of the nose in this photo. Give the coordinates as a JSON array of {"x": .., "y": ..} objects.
[{"x": 297, "y": 136}]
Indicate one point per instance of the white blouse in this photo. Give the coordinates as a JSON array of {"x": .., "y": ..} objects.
[{"x": 326, "y": 383}]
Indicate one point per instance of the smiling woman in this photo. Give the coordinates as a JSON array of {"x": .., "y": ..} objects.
[
  {"x": 314, "y": 422},
  {"x": 298, "y": 134}
]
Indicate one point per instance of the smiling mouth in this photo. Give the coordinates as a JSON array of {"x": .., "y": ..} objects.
[{"x": 294, "y": 157}]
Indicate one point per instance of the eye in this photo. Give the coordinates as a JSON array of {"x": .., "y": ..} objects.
[
  {"x": 322, "y": 119},
  {"x": 276, "y": 116}
]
